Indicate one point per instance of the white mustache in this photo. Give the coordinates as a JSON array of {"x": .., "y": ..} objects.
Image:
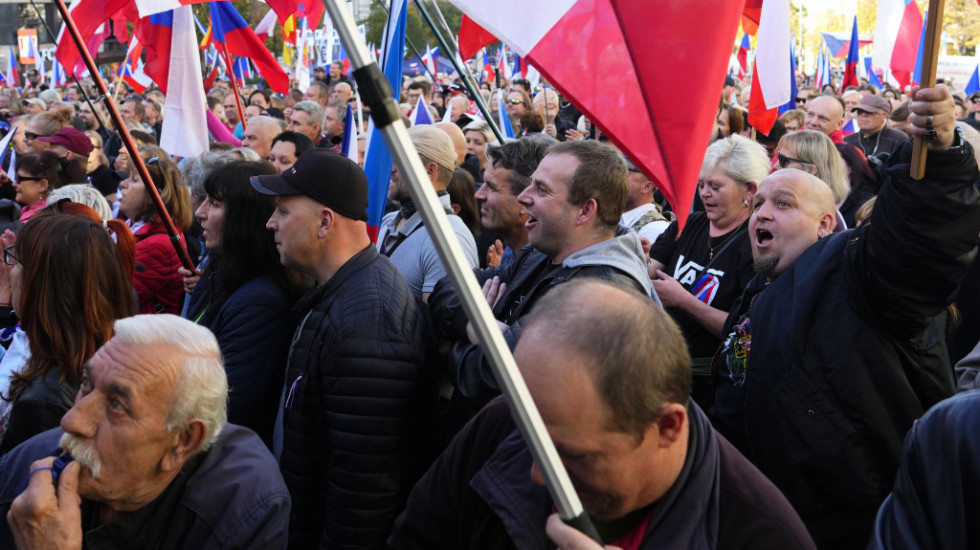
[{"x": 82, "y": 452}]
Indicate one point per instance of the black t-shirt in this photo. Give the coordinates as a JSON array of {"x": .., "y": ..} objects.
[{"x": 687, "y": 260}]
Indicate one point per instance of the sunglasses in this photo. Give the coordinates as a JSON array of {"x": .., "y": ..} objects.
[
  {"x": 783, "y": 160},
  {"x": 30, "y": 135},
  {"x": 975, "y": 100},
  {"x": 514, "y": 101},
  {"x": 21, "y": 178},
  {"x": 801, "y": 100}
]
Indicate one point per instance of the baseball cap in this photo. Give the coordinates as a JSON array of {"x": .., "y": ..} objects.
[
  {"x": 37, "y": 101},
  {"x": 874, "y": 104},
  {"x": 329, "y": 178},
  {"x": 435, "y": 144},
  {"x": 72, "y": 139}
]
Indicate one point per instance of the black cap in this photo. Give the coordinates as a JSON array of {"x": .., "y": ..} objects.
[
  {"x": 729, "y": 81},
  {"x": 329, "y": 178}
]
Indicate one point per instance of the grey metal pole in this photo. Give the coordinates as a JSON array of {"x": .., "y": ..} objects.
[{"x": 387, "y": 118}]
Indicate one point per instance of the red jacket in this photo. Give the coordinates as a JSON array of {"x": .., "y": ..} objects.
[{"x": 159, "y": 287}]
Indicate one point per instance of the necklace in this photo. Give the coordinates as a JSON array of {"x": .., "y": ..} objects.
[{"x": 711, "y": 249}]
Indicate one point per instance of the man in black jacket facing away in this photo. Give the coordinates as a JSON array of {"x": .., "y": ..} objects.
[
  {"x": 834, "y": 350},
  {"x": 350, "y": 433}
]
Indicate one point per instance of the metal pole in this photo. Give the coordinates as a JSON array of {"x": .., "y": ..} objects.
[
  {"x": 387, "y": 118},
  {"x": 465, "y": 75},
  {"x": 134, "y": 155}
]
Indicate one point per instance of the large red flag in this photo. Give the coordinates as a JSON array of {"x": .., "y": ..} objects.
[
  {"x": 88, "y": 15},
  {"x": 472, "y": 38},
  {"x": 663, "y": 127}
]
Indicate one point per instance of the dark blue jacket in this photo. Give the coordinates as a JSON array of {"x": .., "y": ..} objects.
[
  {"x": 253, "y": 327},
  {"x": 846, "y": 352},
  {"x": 230, "y": 497},
  {"x": 934, "y": 504}
]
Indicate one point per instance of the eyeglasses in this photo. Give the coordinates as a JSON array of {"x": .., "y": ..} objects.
[
  {"x": 515, "y": 101},
  {"x": 30, "y": 135},
  {"x": 783, "y": 160},
  {"x": 8, "y": 256},
  {"x": 801, "y": 100},
  {"x": 21, "y": 178}
]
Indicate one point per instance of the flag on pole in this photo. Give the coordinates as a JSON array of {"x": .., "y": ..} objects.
[
  {"x": 420, "y": 114},
  {"x": 265, "y": 26},
  {"x": 348, "y": 145},
  {"x": 853, "y": 58},
  {"x": 487, "y": 67},
  {"x": 791, "y": 104},
  {"x": 897, "y": 38},
  {"x": 10, "y": 75},
  {"x": 743, "y": 56},
  {"x": 137, "y": 77},
  {"x": 771, "y": 68},
  {"x": 231, "y": 32},
  {"x": 283, "y": 8},
  {"x": 973, "y": 85},
  {"x": 185, "y": 130},
  {"x": 156, "y": 34},
  {"x": 429, "y": 59},
  {"x": 503, "y": 120},
  {"x": 88, "y": 16},
  {"x": 472, "y": 37},
  {"x": 823, "y": 67},
  {"x": 850, "y": 127},
  {"x": 5, "y": 145},
  {"x": 378, "y": 161},
  {"x": 872, "y": 76},
  {"x": 917, "y": 73}
]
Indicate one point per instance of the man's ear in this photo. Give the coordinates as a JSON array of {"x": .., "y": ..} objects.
[
  {"x": 588, "y": 211},
  {"x": 828, "y": 221},
  {"x": 185, "y": 444},
  {"x": 325, "y": 219},
  {"x": 671, "y": 424}
]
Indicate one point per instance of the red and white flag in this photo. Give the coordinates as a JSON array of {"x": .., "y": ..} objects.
[
  {"x": 899, "y": 23},
  {"x": 185, "y": 130},
  {"x": 771, "y": 73},
  {"x": 642, "y": 114}
]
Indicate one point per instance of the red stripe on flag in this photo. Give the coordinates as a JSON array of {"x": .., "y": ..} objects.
[{"x": 472, "y": 38}]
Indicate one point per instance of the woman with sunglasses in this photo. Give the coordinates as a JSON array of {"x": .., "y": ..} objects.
[
  {"x": 478, "y": 134},
  {"x": 37, "y": 175},
  {"x": 159, "y": 287},
  {"x": 699, "y": 276},
  {"x": 814, "y": 153},
  {"x": 244, "y": 296},
  {"x": 68, "y": 282},
  {"x": 42, "y": 125}
]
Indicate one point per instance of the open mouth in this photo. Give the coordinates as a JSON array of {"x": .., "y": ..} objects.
[
  {"x": 531, "y": 221},
  {"x": 762, "y": 236}
]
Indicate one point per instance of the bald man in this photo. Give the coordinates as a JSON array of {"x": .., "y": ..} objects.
[
  {"x": 832, "y": 351},
  {"x": 825, "y": 114},
  {"x": 260, "y": 132}
]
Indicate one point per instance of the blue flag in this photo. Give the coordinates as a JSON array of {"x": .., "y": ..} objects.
[
  {"x": 505, "y": 126},
  {"x": 791, "y": 104},
  {"x": 973, "y": 85},
  {"x": 348, "y": 147},
  {"x": 377, "y": 160},
  {"x": 917, "y": 73}
]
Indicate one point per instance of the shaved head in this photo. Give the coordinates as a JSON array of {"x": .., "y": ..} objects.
[
  {"x": 824, "y": 114},
  {"x": 459, "y": 141}
]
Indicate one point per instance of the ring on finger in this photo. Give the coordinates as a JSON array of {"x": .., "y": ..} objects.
[{"x": 929, "y": 124}]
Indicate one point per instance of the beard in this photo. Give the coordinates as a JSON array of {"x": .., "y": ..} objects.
[
  {"x": 82, "y": 452},
  {"x": 766, "y": 266}
]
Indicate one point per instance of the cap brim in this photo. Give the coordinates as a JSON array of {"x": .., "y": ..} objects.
[{"x": 274, "y": 185}]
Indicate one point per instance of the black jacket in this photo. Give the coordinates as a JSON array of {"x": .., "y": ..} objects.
[
  {"x": 38, "y": 408},
  {"x": 846, "y": 352},
  {"x": 358, "y": 400}
]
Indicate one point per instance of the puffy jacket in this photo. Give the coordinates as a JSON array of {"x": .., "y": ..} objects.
[
  {"x": 253, "y": 327},
  {"x": 359, "y": 400},
  {"x": 38, "y": 408},
  {"x": 159, "y": 287},
  {"x": 846, "y": 351}
]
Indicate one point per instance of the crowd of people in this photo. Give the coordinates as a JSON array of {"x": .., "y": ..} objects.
[{"x": 744, "y": 381}]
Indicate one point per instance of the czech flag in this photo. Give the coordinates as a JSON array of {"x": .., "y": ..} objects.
[
  {"x": 897, "y": 39},
  {"x": 283, "y": 8},
  {"x": 850, "y": 70},
  {"x": 771, "y": 72},
  {"x": 10, "y": 75},
  {"x": 851, "y": 127},
  {"x": 503, "y": 120},
  {"x": 917, "y": 73},
  {"x": 420, "y": 114},
  {"x": 231, "y": 32},
  {"x": 185, "y": 130},
  {"x": 348, "y": 146},
  {"x": 88, "y": 16},
  {"x": 377, "y": 160},
  {"x": 973, "y": 85},
  {"x": 472, "y": 38},
  {"x": 156, "y": 34},
  {"x": 743, "y": 56}
]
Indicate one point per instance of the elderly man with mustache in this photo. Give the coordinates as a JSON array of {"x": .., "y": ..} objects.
[{"x": 155, "y": 463}]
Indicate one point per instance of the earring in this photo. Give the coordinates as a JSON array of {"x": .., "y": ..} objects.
[{"x": 745, "y": 202}]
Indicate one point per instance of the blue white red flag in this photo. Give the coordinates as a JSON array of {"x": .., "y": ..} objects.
[
  {"x": 283, "y": 8},
  {"x": 853, "y": 58},
  {"x": 897, "y": 39},
  {"x": 377, "y": 160},
  {"x": 156, "y": 34},
  {"x": 743, "y": 56},
  {"x": 185, "y": 130},
  {"x": 420, "y": 114},
  {"x": 10, "y": 75},
  {"x": 917, "y": 73},
  {"x": 851, "y": 127},
  {"x": 229, "y": 30},
  {"x": 791, "y": 104},
  {"x": 973, "y": 85},
  {"x": 88, "y": 16},
  {"x": 348, "y": 146},
  {"x": 503, "y": 120},
  {"x": 772, "y": 68}
]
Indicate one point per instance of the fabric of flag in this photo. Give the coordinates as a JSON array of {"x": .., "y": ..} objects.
[
  {"x": 641, "y": 117},
  {"x": 487, "y": 67},
  {"x": 234, "y": 34},
  {"x": 283, "y": 8},
  {"x": 771, "y": 69},
  {"x": 822, "y": 75},
  {"x": 791, "y": 104},
  {"x": 751, "y": 13},
  {"x": 850, "y": 127},
  {"x": 10, "y": 75},
  {"x": 348, "y": 145},
  {"x": 917, "y": 73},
  {"x": 378, "y": 160},
  {"x": 240, "y": 70},
  {"x": 897, "y": 39},
  {"x": 5, "y": 145},
  {"x": 872, "y": 75},
  {"x": 185, "y": 130},
  {"x": 88, "y": 16},
  {"x": 137, "y": 78},
  {"x": 156, "y": 34},
  {"x": 973, "y": 85},
  {"x": 265, "y": 26},
  {"x": 853, "y": 58},
  {"x": 743, "y": 56},
  {"x": 502, "y": 62},
  {"x": 312, "y": 11},
  {"x": 520, "y": 67},
  {"x": 839, "y": 43},
  {"x": 503, "y": 121},
  {"x": 420, "y": 114},
  {"x": 429, "y": 59},
  {"x": 472, "y": 37}
]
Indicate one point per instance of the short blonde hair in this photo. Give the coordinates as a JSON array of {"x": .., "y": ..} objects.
[{"x": 815, "y": 148}]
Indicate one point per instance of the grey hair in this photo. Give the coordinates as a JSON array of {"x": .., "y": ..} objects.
[
  {"x": 83, "y": 193},
  {"x": 244, "y": 153},
  {"x": 520, "y": 158},
  {"x": 483, "y": 127},
  {"x": 341, "y": 108},
  {"x": 197, "y": 169},
  {"x": 202, "y": 385},
  {"x": 739, "y": 158},
  {"x": 313, "y": 109}
]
